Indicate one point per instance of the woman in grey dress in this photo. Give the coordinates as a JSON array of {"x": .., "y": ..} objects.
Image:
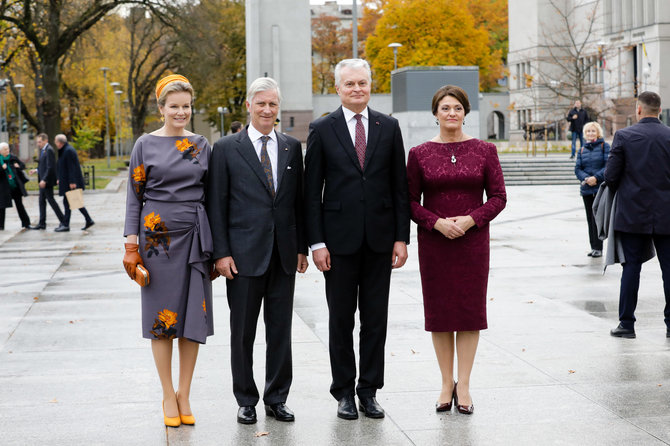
[{"x": 168, "y": 232}]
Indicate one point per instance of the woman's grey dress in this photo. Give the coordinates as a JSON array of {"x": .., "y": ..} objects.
[{"x": 165, "y": 208}]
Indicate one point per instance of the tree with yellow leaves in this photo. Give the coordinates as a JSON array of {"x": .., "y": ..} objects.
[{"x": 433, "y": 33}]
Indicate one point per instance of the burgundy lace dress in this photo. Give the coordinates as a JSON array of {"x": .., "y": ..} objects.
[{"x": 454, "y": 273}]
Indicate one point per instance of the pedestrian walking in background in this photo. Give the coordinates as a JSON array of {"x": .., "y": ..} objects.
[
  {"x": 168, "y": 232},
  {"x": 69, "y": 178},
  {"x": 47, "y": 177},
  {"x": 577, "y": 117},
  {"x": 590, "y": 170},
  {"x": 447, "y": 178},
  {"x": 638, "y": 169},
  {"x": 12, "y": 185}
]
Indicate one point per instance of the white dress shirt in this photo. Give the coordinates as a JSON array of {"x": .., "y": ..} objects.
[{"x": 272, "y": 147}]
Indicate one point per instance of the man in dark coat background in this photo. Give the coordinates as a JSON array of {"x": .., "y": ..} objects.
[
  {"x": 69, "y": 178},
  {"x": 638, "y": 169},
  {"x": 47, "y": 177},
  {"x": 577, "y": 117},
  {"x": 255, "y": 210}
]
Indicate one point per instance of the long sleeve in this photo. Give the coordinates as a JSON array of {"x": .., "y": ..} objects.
[
  {"x": 579, "y": 167},
  {"x": 400, "y": 193},
  {"x": 137, "y": 180},
  {"x": 314, "y": 179},
  {"x": 301, "y": 237},
  {"x": 600, "y": 174},
  {"x": 494, "y": 185},
  {"x": 615, "y": 163},
  {"x": 420, "y": 215}
]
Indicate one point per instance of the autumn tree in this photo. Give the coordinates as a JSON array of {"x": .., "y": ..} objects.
[
  {"x": 432, "y": 34},
  {"x": 330, "y": 44},
  {"x": 51, "y": 28},
  {"x": 211, "y": 53}
]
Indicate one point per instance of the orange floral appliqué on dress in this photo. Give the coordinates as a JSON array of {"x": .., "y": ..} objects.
[
  {"x": 164, "y": 325},
  {"x": 204, "y": 306},
  {"x": 188, "y": 149},
  {"x": 139, "y": 179},
  {"x": 156, "y": 235}
]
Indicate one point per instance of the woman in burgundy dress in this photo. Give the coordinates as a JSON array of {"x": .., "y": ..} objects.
[{"x": 452, "y": 171}]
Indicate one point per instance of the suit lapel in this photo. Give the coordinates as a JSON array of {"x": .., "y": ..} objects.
[
  {"x": 248, "y": 152},
  {"x": 342, "y": 132},
  {"x": 374, "y": 131},
  {"x": 282, "y": 158}
]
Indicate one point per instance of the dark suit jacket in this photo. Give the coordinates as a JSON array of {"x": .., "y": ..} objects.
[
  {"x": 69, "y": 170},
  {"x": 639, "y": 170},
  {"x": 46, "y": 167},
  {"x": 244, "y": 217},
  {"x": 345, "y": 205}
]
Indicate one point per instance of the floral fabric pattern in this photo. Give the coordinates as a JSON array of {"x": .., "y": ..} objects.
[
  {"x": 156, "y": 235},
  {"x": 139, "y": 180},
  {"x": 189, "y": 150},
  {"x": 164, "y": 325}
]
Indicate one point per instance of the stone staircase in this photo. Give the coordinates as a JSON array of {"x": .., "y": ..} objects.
[{"x": 520, "y": 170}]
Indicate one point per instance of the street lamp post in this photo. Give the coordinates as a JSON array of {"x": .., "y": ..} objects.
[
  {"x": 18, "y": 88},
  {"x": 395, "y": 46},
  {"x": 115, "y": 86},
  {"x": 107, "y": 148}
]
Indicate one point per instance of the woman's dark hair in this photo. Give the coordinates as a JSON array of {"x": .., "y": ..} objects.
[{"x": 455, "y": 92}]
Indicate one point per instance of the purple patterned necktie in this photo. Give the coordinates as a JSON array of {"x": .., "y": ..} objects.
[
  {"x": 267, "y": 165},
  {"x": 360, "y": 140}
]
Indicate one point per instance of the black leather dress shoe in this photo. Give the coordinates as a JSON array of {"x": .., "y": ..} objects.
[
  {"x": 37, "y": 227},
  {"x": 62, "y": 228},
  {"x": 280, "y": 412},
  {"x": 346, "y": 408},
  {"x": 370, "y": 407},
  {"x": 246, "y": 415},
  {"x": 621, "y": 332},
  {"x": 597, "y": 253},
  {"x": 88, "y": 225}
]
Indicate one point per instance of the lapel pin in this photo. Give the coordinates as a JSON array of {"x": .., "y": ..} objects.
[
  {"x": 377, "y": 122},
  {"x": 286, "y": 149},
  {"x": 288, "y": 168}
]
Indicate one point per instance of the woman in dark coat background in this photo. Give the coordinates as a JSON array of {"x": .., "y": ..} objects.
[
  {"x": 12, "y": 185},
  {"x": 590, "y": 170}
]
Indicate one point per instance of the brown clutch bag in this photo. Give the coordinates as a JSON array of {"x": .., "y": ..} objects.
[{"x": 141, "y": 275}]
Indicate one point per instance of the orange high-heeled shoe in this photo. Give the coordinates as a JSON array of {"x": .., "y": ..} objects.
[
  {"x": 170, "y": 421},
  {"x": 185, "y": 419}
]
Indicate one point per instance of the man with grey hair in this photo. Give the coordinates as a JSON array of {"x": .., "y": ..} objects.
[
  {"x": 357, "y": 219},
  {"x": 69, "y": 178},
  {"x": 47, "y": 177},
  {"x": 255, "y": 209}
]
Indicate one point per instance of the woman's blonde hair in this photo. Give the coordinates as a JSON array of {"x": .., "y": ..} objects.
[{"x": 595, "y": 125}]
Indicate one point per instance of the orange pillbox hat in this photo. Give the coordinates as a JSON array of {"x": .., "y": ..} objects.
[{"x": 168, "y": 79}]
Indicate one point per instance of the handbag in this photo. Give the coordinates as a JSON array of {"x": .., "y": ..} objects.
[
  {"x": 141, "y": 275},
  {"x": 75, "y": 198}
]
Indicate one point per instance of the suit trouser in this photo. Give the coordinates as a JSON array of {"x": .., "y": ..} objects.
[
  {"x": 67, "y": 212},
  {"x": 595, "y": 242},
  {"x": 245, "y": 294},
  {"x": 633, "y": 250},
  {"x": 362, "y": 279},
  {"x": 47, "y": 194}
]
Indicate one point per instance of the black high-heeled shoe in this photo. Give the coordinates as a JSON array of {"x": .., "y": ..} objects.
[
  {"x": 467, "y": 410},
  {"x": 445, "y": 407}
]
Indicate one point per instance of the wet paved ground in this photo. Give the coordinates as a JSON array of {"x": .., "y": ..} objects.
[{"x": 74, "y": 369}]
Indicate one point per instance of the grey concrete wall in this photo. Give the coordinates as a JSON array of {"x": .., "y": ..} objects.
[{"x": 413, "y": 88}]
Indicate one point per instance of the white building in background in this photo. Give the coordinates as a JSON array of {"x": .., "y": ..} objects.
[
  {"x": 620, "y": 44},
  {"x": 279, "y": 45}
]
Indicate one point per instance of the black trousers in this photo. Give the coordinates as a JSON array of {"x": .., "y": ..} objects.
[
  {"x": 47, "y": 194},
  {"x": 361, "y": 279},
  {"x": 595, "y": 242},
  {"x": 68, "y": 213},
  {"x": 18, "y": 202},
  {"x": 274, "y": 290},
  {"x": 633, "y": 248}
]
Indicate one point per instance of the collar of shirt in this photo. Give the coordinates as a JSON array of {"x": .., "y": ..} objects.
[
  {"x": 349, "y": 115},
  {"x": 255, "y": 135}
]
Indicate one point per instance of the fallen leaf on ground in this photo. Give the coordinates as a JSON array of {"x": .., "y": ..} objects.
[
  {"x": 530, "y": 301},
  {"x": 53, "y": 400},
  {"x": 413, "y": 352},
  {"x": 261, "y": 434},
  {"x": 571, "y": 371}
]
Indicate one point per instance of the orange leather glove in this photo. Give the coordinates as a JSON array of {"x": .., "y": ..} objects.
[{"x": 131, "y": 259}]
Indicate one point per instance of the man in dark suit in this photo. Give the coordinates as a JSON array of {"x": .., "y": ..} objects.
[
  {"x": 255, "y": 209},
  {"x": 69, "y": 178},
  {"x": 357, "y": 216},
  {"x": 638, "y": 169},
  {"x": 46, "y": 175},
  {"x": 577, "y": 117}
]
